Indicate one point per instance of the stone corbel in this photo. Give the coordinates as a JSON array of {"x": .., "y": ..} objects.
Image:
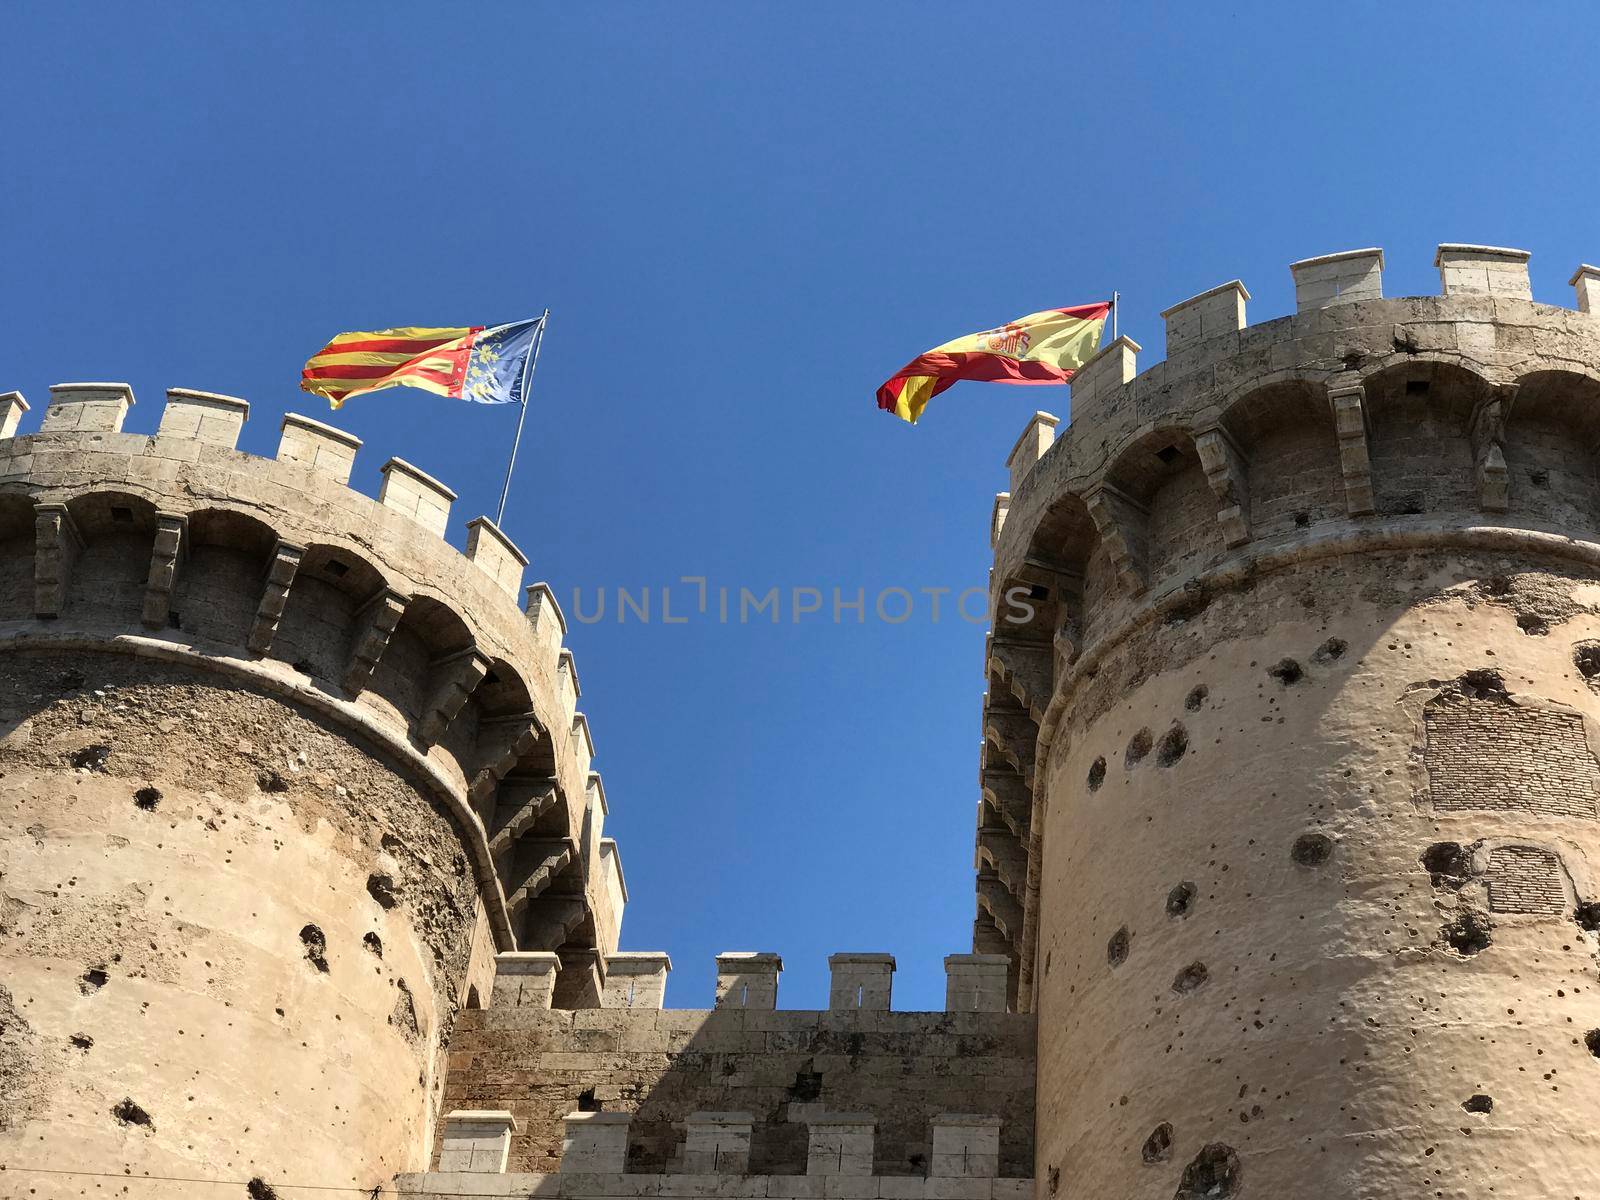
[
  {"x": 457, "y": 675},
  {"x": 510, "y": 739},
  {"x": 542, "y": 797},
  {"x": 1009, "y": 796},
  {"x": 546, "y": 860},
  {"x": 1355, "y": 463},
  {"x": 57, "y": 544},
  {"x": 167, "y": 556},
  {"x": 1001, "y": 906},
  {"x": 1122, "y": 523},
  {"x": 275, "y": 587},
  {"x": 1026, "y": 669},
  {"x": 1224, "y": 466},
  {"x": 375, "y": 624},
  {"x": 552, "y": 922},
  {"x": 1488, "y": 449},
  {"x": 1015, "y": 735}
]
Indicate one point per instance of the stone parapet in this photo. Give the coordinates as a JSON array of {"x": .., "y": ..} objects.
[{"x": 348, "y": 608}]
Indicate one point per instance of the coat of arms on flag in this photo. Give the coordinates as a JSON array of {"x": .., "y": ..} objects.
[{"x": 1043, "y": 347}]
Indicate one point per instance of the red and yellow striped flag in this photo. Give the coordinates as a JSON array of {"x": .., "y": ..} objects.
[
  {"x": 1042, "y": 347},
  {"x": 354, "y": 364}
]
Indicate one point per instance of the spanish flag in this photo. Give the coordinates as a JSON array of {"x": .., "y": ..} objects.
[
  {"x": 470, "y": 362},
  {"x": 1043, "y": 347}
]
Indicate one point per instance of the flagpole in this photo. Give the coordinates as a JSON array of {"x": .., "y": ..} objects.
[
  {"x": 1115, "y": 296},
  {"x": 527, "y": 373}
]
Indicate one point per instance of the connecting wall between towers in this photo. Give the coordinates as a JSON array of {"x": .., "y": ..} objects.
[{"x": 784, "y": 1068}]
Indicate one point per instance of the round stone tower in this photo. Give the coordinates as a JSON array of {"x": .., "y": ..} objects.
[
  {"x": 280, "y": 774},
  {"x": 1290, "y": 773}
]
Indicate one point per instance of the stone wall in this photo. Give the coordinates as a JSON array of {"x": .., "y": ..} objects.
[
  {"x": 1313, "y": 872},
  {"x": 782, "y": 1067}
]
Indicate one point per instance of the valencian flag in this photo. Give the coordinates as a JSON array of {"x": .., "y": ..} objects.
[
  {"x": 1043, "y": 347},
  {"x": 477, "y": 362}
]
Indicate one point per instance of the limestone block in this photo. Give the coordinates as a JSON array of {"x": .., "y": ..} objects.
[
  {"x": 567, "y": 684},
  {"x": 636, "y": 980},
  {"x": 204, "y": 416},
  {"x": 87, "y": 407},
  {"x": 965, "y": 1144},
  {"x": 476, "y": 1140},
  {"x": 57, "y": 544},
  {"x": 1208, "y": 315},
  {"x": 418, "y": 495},
  {"x": 997, "y": 517},
  {"x": 1483, "y": 270},
  {"x": 1225, "y": 468},
  {"x": 861, "y": 981},
  {"x": 1341, "y": 278},
  {"x": 319, "y": 447},
  {"x": 524, "y": 979},
  {"x": 581, "y": 979},
  {"x": 1585, "y": 281},
  {"x": 975, "y": 982},
  {"x": 1030, "y": 447},
  {"x": 840, "y": 1144},
  {"x": 1355, "y": 462},
  {"x": 545, "y": 616},
  {"x": 1114, "y": 366},
  {"x": 717, "y": 1143},
  {"x": 748, "y": 980},
  {"x": 12, "y": 406},
  {"x": 582, "y": 744},
  {"x": 595, "y": 1142},
  {"x": 495, "y": 553},
  {"x": 167, "y": 554},
  {"x": 281, "y": 570}
]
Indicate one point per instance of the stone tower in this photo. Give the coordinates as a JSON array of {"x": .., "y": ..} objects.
[
  {"x": 1288, "y": 823},
  {"x": 281, "y": 774}
]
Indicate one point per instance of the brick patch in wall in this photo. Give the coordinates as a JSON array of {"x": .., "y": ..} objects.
[
  {"x": 1523, "y": 879},
  {"x": 1484, "y": 754}
]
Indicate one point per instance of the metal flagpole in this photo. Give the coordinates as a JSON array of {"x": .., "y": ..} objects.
[
  {"x": 1115, "y": 296},
  {"x": 527, "y": 373}
]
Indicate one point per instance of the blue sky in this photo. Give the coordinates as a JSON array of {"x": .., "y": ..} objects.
[{"x": 743, "y": 218}]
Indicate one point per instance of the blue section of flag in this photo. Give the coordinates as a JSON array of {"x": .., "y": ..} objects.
[{"x": 496, "y": 368}]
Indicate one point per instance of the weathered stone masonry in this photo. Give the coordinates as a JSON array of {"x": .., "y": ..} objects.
[
  {"x": 1302, "y": 785},
  {"x": 280, "y": 773}
]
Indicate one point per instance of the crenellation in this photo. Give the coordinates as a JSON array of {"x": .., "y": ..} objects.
[
  {"x": 1031, "y": 445},
  {"x": 496, "y": 554},
  {"x": 1342, "y": 278},
  {"x": 416, "y": 494},
  {"x": 1483, "y": 270},
  {"x": 1585, "y": 283},
  {"x": 318, "y": 447},
  {"x": 1213, "y": 313},
  {"x": 204, "y": 416},
  {"x": 87, "y": 408},
  {"x": 12, "y": 407}
]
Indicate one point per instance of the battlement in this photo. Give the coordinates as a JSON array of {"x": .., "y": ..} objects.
[
  {"x": 1467, "y": 418},
  {"x": 177, "y": 546}
]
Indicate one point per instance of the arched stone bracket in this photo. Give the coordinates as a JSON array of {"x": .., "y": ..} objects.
[
  {"x": 1355, "y": 460},
  {"x": 375, "y": 622},
  {"x": 1488, "y": 449},
  {"x": 57, "y": 544},
  {"x": 1008, "y": 795},
  {"x": 1122, "y": 522},
  {"x": 167, "y": 555},
  {"x": 275, "y": 587},
  {"x": 457, "y": 675},
  {"x": 1026, "y": 669},
  {"x": 1224, "y": 465}
]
